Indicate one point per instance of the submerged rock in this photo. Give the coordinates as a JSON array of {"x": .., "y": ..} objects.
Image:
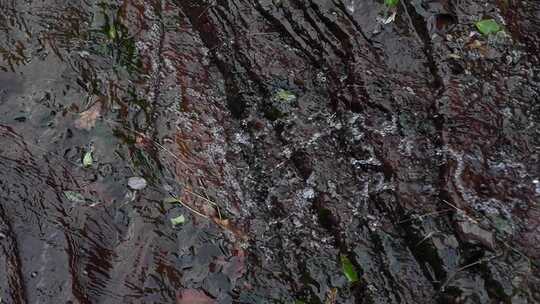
[
  {"x": 472, "y": 233},
  {"x": 291, "y": 133}
]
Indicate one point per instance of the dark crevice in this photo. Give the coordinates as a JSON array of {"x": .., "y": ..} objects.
[
  {"x": 13, "y": 273},
  {"x": 421, "y": 29}
]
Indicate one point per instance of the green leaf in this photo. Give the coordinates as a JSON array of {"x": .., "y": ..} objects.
[
  {"x": 285, "y": 95},
  {"x": 75, "y": 197},
  {"x": 348, "y": 269},
  {"x": 87, "y": 159},
  {"x": 179, "y": 220},
  {"x": 488, "y": 26},
  {"x": 391, "y": 3},
  {"x": 299, "y": 302}
]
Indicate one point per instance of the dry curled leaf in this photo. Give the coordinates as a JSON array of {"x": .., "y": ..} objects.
[
  {"x": 331, "y": 298},
  {"x": 87, "y": 119}
]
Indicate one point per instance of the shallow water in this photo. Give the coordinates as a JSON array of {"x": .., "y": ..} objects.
[{"x": 288, "y": 133}]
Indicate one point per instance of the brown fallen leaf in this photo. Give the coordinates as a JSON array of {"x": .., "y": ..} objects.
[
  {"x": 193, "y": 296},
  {"x": 87, "y": 119}
]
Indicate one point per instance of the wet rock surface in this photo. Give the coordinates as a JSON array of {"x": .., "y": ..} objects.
[{"x": 288, "y": 133}]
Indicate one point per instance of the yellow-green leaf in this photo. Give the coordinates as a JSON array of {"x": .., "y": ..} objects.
[
  {"x": 179, "y": 220},
  {"x": 284, "y": 95},
  {"x": 87, "y": 159}
]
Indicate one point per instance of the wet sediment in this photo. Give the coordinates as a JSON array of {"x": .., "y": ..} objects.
[{"x": 292, "y": 132}]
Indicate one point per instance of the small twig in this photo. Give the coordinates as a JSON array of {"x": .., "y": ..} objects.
[
  {"x": 189, "y": 208},
  {"x": 200, "y": 196},
  {"x": 207, "y": 199},
  {"x": 429, "y": 235},
  {"x": 453, "y": 206},
  {"x": 529, "y": 261},
  {"x": 152, "y": 140},
  {"x": 280, "y": 164},
  {"x": 421, "y": 217},
  {"x": 480, "y": 261},
  {"x": 261, "y": 34},
  {"x": 206, "y": 9}
]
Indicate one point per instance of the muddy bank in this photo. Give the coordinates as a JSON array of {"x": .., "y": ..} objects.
[{"x": 289, "y": 134}]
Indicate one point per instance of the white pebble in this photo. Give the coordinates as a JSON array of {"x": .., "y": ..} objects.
[{"x": 137, "y": 183}]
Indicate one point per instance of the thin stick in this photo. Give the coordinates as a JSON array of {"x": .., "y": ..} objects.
[
  {"x": 189, "y": 208},
  {"x": 432, "y": 233},
  {"x": 453, "y": 206},
  {"x": 425, "y": 215},
  {"x": 480, "y": 261},
  {"x": 206, "y": 9},
  {"x": 201, "y": 197},
  {"x": 262, "y": 34},
  {"x": 212, "y": 203},
  {"x": 153, "y": 141}
]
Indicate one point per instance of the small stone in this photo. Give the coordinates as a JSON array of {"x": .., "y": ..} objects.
[{"x": 137, "y": 183}]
